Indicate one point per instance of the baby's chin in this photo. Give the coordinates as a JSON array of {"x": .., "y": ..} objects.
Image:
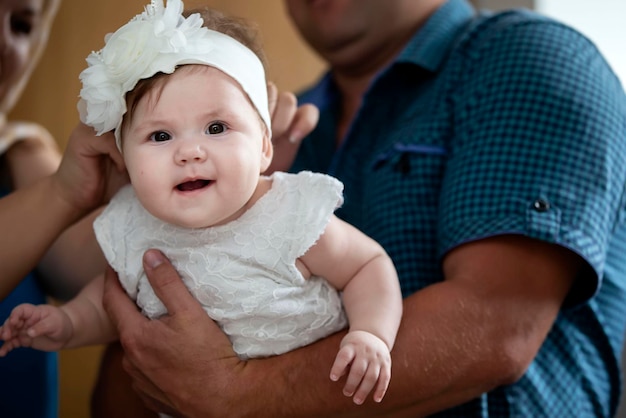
[
  {"x": 191, "y": 223},
  {"x": 182, "y": 220}
]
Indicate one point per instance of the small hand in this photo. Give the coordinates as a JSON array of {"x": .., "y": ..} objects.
[
  {"x": 290, "y": 124},
  {"x": 42, "y": 327},
  {"x": 368, "y": 361}
]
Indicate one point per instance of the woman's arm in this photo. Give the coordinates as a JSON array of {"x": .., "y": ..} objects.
[
  {"x": 75, "y": 256},
  {"x": 32, "y": 217},
  {"x": 32, "y": 155},
  {"x": 30, "y": 220},
  {"x": 73, "y": 260}
]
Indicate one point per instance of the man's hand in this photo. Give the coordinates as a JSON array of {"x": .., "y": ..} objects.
[
  {"x": 181, "y": 361},
  {"x": 290, "y": 124}
]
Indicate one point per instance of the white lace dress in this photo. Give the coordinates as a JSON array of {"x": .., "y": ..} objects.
[{"x": 244, "y": 272}]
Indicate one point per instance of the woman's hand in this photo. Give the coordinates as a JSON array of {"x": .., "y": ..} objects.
[{"x": 92, "y": 169}]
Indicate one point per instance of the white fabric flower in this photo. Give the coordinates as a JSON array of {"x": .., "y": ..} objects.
[{"x": 158, "y": 40}]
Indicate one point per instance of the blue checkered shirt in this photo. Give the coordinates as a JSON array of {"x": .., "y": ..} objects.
[{"x": 489, "y": 124}]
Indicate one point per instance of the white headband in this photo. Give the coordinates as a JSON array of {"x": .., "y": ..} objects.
[{"x": 158, "y": 40}]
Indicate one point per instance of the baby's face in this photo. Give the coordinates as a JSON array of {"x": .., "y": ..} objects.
[
  {"x": 195, "y": 149},
  {"x": 19, "y": 20}
]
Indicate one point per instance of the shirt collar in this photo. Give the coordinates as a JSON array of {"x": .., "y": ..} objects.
[
  {"x": 427, "y": 48},
  {"x": 432, "y": 43}
]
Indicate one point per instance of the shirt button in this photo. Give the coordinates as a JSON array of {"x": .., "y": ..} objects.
[{"x": 541, "y": 205}]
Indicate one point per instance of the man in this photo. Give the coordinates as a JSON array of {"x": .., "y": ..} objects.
[{"x": 487, "y": 154}]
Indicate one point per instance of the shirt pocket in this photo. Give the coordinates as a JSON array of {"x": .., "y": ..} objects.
[
  {"x": 402, "y": 199},
  {"x": 408, "y": 173}
]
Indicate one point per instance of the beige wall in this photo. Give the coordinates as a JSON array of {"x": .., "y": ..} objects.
[{"x": 51, "y": 97}]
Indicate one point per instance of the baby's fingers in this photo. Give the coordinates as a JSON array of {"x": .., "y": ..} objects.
[
  {"x": 8, "y": 346},
  {"x": 342, "y": 361},
  {"x": 5, "y": 333},
  {"x": 383, "y": 382},
  {"x": 5, "y": 348},
  {"x": 19, "y": 339},
  {"x": 39, "y": 328},
  {"x": 363, "y": 375},
  {"x": 11, "y": 328},
  {"x": 22, "y": 314}
]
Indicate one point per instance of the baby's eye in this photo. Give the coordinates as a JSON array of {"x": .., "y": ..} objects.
[
  {"x": 216, "y": 128},
  {"x": 160, "y": 136}
]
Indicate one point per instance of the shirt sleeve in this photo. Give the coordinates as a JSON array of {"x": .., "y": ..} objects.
[{"x": 539, "y": 145}]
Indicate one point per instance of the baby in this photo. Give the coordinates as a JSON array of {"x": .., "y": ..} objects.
[{"x": 265, "y": 255}]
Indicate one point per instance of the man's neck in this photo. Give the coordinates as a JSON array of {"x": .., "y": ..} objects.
[
  {"x": 352, "y": 90},
  {"x": 354, "y": 77}
]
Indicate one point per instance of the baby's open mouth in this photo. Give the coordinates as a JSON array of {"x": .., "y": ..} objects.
[{"x": 189, "y": 186}]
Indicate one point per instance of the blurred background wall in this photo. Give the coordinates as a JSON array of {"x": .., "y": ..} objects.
[{"x": 80, "y": 26}]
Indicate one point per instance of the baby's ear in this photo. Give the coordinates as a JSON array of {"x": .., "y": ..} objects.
[{"x": 267, "y": 151}]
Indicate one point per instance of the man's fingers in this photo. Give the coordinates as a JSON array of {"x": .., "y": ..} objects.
[
  {"x": 284, "y": 113},
  {"x": 304, "y": 122},
  {"x": 167, "y": 283}
]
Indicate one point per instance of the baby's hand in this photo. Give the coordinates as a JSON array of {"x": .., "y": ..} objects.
[
  {"x": 369, "y": 361},
  {"x": 42, "y": 327}
]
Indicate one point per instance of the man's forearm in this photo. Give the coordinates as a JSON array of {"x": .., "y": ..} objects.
[
  {"x": 458, "y": 338},
  {"x": 428, "y": 374}
]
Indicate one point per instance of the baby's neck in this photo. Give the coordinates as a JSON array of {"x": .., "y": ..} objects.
[{"x": 263, "y": 186}]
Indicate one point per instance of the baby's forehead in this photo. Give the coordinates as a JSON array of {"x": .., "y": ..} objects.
[
  {"x": 201, "y": 70},
  {"x": 209, "y": 72},
  {"x": 205, "y": 88},
  {"x": 198, "y": 74}
]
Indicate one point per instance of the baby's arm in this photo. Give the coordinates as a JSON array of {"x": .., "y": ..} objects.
[
  {"x": 357, "y": 265},
  {"x": 82, "y": 321}
]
